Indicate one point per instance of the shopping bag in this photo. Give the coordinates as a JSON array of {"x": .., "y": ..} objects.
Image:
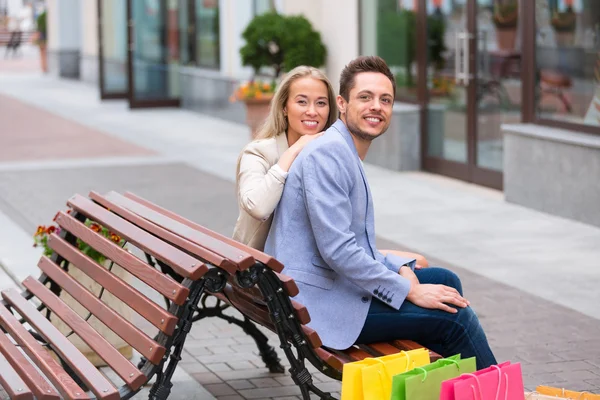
[
  {"x": 371, "y": 378},
  {"x": 499, "y": 382},
  {"x": 537, "y": 396},
  {"x": 424, "y": 383},
  {"x": 566, "y": 394},
  {"x": 447, "y": 390}
]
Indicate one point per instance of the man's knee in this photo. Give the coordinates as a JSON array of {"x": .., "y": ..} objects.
[{"x": 453, "y": 280}]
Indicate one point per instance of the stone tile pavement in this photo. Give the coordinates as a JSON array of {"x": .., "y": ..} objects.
[{"x": 556, "y": 345}]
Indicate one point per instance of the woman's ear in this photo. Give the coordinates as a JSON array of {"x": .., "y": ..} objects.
[{"x": 285, "y": 111}]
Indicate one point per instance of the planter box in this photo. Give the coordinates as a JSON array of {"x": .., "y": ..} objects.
[
  {"x": 553, "y": 170},
  {"x": 399, "y": 148}
]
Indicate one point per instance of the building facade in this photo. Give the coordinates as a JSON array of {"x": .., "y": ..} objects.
[{"x": 501, "y": 93}]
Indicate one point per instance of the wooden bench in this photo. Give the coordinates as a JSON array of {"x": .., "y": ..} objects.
[
  {"x": 29, "y": 370},
  {"x": 257, "y": 289}
]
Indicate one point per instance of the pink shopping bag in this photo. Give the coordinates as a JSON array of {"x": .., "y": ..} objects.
[{"x": 498, "y": 382}]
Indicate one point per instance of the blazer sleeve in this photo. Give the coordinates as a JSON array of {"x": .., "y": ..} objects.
[
  {"x": 327, "y": 184},
  {"x": 260, "y": 183}
]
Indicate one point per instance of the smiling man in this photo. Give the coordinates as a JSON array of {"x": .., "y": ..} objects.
[{"x": 323, "y": 232}]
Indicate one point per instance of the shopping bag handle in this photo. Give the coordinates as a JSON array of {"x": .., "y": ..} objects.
[
  {"x": 424, "y": 373},
  {"x": 450, "y": 361},
  {"x": 580, "y": 397},
  {"x": 497, "y": 390}
]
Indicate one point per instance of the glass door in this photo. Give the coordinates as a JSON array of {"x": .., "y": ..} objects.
[
  {"x": 112, "y": 49},
  {"x": 154, "y": 51},
  {"x": 472, "y": 87},
  {"x": 449, "y": 97}
]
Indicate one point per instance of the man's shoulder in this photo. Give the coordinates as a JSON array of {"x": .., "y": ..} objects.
[{"x": 330, "y": 145}]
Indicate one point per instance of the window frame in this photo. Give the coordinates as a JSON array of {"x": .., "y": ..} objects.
[
  {"x": 193, "y": 26},
  {"x": 418, "y": 98},
  {"x": 529, "y": 110}
]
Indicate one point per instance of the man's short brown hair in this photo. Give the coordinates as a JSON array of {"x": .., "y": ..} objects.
[{"x": 363, "y": 64}]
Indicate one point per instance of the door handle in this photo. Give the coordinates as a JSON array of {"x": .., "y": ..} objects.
[{"x": 462, "y": 73}]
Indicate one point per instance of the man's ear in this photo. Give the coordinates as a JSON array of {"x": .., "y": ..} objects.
[{"x": 341, "y": 103}]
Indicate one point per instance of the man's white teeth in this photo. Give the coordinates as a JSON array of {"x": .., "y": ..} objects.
[{"x": 371, "y": 119}]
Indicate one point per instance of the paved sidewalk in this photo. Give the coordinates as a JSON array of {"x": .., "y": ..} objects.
[{"x": 532, "y": 278}]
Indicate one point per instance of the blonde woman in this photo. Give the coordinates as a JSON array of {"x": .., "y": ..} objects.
[{"x": 303, "y": 106}]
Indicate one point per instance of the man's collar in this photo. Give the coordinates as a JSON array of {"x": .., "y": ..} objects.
[{"x": 343, "y": 130}]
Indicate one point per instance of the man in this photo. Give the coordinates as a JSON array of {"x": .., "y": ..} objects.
[{"x": 323, "y": 232}]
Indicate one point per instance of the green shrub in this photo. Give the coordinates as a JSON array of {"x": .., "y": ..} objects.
[
  {"x": 281, "y": 42},
  {"x": 41, "y": 24}
]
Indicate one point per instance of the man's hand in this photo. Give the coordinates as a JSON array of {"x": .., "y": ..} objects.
[
  {"x": 409, "y": 274},
  {"x": 436, "y": 297}
]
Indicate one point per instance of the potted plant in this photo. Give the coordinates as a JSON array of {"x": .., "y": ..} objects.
[
  {"x": 280, "y": 43},
  {"x": 505, "y": 17},
  {"x": 41, "y": 240},
  {"x": 564, "y": 24},
  {"x": 40, "y": 40}
]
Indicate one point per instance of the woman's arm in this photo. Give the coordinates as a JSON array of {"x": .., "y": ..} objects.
[{"x": 260, "y": 183}]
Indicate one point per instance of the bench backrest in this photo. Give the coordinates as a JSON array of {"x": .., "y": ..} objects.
[
  {"x": 249, "y": 300},
  {"x": 66, "y": 254}
]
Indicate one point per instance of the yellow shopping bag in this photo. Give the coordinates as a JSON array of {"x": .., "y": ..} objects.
[
  {"x": 566, "y": 394},
  {"x": 371, "y": 378}
]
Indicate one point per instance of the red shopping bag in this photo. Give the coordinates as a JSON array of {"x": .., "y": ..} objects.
[{"x": 498, "y": 382}]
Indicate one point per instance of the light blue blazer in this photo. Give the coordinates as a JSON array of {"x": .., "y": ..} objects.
[{"x": 323, "y": 233}]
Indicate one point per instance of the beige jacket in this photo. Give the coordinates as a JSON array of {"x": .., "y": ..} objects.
[{"x": 259, "y": 185}]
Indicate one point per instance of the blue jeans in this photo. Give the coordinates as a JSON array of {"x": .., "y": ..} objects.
[{"x": 445, "y": 333}]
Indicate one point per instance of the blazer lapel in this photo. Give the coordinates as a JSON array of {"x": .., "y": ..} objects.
[
  {"x": 369, "y": 213},
  {"x": 282, "y": 144}
]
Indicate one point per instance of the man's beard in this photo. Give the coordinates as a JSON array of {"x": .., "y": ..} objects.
[{"x": 359, "y": 133}]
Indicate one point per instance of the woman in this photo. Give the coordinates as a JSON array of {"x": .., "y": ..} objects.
[{"x": 302, "y": 108}]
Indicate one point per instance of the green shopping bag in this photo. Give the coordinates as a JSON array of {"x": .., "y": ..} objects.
[{"x": 424, "y": 383}]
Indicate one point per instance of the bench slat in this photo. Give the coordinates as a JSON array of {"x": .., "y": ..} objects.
[
  {"x": 254, "y": 295},
  {"x": 165, "y": 233},
  {"x": 127, "y": 331},
  {"x": 182, "y": 263},
  {"x": 88, "y": 373},
  {"x": 258, "y": 255},
  {"x": 147, "y": 274},
  {"x": 356, "y": 354},
  {"x": 382, "y": 349},
  {"x": 410, "y": 345},
  {"x": 148, "y": 309},
  {"x": 289, "y": 285},
  {"x": 10, "y": 379},
  {"x": 42, "y": 358},
  {"x": 241, "y": 260},
  {"x": 133, "y": 377},
  {"x": 260, "y": 314},
  {"x": 333, "y": 360}
]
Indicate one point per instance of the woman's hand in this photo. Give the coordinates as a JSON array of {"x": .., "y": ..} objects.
[{"x": 288, "y": 157}]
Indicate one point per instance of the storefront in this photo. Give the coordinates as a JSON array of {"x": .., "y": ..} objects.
[
  {"x": 473, "y": 65},
  {"x": 500, "y": 93}
]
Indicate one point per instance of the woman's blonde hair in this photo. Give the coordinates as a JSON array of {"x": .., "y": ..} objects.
[{"x": 277, "y": 122}]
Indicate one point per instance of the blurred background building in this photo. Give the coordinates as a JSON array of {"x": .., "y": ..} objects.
[{"x": 500, "y": 93}]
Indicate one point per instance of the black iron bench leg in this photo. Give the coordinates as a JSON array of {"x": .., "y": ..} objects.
[
  {"x": 266, "y": 351},
  {"x": 162, "y": 387}
]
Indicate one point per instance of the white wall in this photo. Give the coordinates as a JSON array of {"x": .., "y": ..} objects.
[
  {"x": 337, "y": 21},
  {"x": 64, "y": 24},
  {"x": 234, "y": 17},
  {"x": 89, "y": 28}
]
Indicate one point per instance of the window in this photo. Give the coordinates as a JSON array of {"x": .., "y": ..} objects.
[
  {"x": 261, "y": 6},
  {"x": 388, "y": 29},
  {"x": 567, "y": 51},
  {"x": 207, "y": 33}
]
